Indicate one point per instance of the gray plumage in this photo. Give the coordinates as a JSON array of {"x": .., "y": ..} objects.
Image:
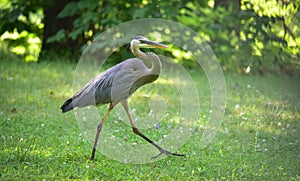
[
  {"x": 118, "y": 83},
  {"x": 115, "y": 84}
]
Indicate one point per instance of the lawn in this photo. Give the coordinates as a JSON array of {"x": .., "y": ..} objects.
[{"x": 259, "y": 138}]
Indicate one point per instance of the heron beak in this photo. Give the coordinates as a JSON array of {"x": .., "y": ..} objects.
[{"x": 156, "y": 45}]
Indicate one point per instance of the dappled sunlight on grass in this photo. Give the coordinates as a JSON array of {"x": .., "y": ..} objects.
[
  {"x": 263, "y": 119},
  {"x": 258, "y": 138}
]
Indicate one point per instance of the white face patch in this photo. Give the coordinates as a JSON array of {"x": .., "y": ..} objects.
[{"x": 138, "y": 43}]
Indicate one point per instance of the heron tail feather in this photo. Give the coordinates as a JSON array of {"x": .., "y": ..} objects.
[{"x": 67, "y": 106}]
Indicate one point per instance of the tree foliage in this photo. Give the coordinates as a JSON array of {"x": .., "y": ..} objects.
[
  {"x": 246, "y": 35},
  {"x": 23, "y": 19}
]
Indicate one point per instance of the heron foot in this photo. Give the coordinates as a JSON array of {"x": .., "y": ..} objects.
[{"x": 162, "y": 151}]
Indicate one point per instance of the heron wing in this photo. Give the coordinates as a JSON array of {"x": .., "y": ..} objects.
[
  {"x": 97, "y": 90},
  {"x": 115, "y": 84},
  {"x": 132, "y": 76}
]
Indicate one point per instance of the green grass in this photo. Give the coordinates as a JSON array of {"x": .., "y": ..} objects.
[{"x": 259, "y": 138}]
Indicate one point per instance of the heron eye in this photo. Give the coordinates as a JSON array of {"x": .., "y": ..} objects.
[{"x": 142, "y": 41}]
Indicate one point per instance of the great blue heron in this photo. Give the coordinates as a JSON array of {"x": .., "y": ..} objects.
[{"x": 118, "y": 83}]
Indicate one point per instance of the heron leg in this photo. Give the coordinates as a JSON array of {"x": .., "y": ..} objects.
[
  {"x": 99, "y": 127},
  {"x": 136, "y": 131}
]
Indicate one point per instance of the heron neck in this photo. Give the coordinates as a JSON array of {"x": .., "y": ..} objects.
[
  {"x": 149, "y": 57},
  {"x": 156, "y": 64},
  {"x": 137, "y": 52}
]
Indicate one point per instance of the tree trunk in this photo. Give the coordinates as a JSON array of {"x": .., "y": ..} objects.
[{"x": 52, "y": 24}]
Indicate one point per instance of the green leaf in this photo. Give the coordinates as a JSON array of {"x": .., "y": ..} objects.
[
  {"x": 71, "y": 9},
  {"x": 74, "y": 34},
  {"x": 59, "y": 36},
  {"x": 139, "y": 13}
]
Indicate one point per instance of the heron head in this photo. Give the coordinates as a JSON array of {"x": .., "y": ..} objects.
[{"x": 142, "y": 42}]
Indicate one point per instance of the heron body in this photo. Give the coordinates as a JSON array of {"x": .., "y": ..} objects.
[{"x": 118, "y": 83}]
